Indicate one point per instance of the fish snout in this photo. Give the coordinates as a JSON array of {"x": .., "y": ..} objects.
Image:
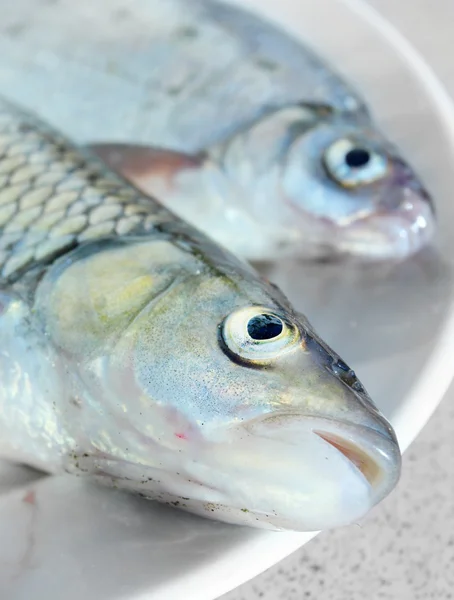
[
  {"x": 354, "y": 465},
  {"x": 406, "y": 216},
  {"x": 406, "y": 179}
]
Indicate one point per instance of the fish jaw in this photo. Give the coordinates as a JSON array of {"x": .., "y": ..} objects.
[
  {"x": 393, "y": 233},
  {"x": 318, "y": 473},
  {"x": 286, "y": 471},
  {"x": 299, "y": 470},
  {"x": 382, "y": 236}
]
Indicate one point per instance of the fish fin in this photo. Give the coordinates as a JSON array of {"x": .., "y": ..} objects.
[{"x": 152, "y": 170}]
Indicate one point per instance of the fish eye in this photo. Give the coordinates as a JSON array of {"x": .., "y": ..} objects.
[
  {"x": 259, "y": 335},
  {"x": 353, "y": 165},
  {"x": 357, "y": 157},
  {"x": 264, "y": 327}
]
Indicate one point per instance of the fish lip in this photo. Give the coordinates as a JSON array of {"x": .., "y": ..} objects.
[
  {"x": 391, "y": 233},
  {"x": 363, "y": 461},
  {"x": 380, "y": 445},
  {"x": 268, "y": 417},
  {"x": 378, "y": 451}
]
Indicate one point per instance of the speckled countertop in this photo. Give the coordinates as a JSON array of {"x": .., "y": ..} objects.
[{"x": 405, "y": 549}]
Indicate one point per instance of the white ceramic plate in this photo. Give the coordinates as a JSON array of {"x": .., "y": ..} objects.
[{"x": 61, "y": 538}]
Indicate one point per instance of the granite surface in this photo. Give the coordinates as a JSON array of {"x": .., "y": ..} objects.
[{"x": 405, "y": 548}]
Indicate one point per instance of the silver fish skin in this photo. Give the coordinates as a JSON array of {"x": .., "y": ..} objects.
[
  {"x": 283, "y": 187},
  {"x": 294, "y": 164},
  {"x": 136, "y": 352}
]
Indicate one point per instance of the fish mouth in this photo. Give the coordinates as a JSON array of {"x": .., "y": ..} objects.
[
  {"x": 285, "y": 471},
  {"x": 356, "y": 455},
  {"x": 391, "y": 234},
  {"x": 302, "y": 473},
  {"x": 370, "y": 446}
]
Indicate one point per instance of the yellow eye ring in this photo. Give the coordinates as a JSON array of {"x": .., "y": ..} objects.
[{"x": 259, "y": 335}]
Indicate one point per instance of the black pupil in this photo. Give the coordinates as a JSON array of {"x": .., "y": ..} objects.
[
  {"x": 357, "y": 157},
  {"x": 264, "y": 327}
]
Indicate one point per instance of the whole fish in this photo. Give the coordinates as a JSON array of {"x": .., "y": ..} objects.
[
  {"x": 137, "y": 352},
  {"x": 272, "y": 153}
]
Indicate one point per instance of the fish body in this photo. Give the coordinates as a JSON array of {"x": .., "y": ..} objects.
[
  {"x": 293, "y": 163},
  {"x": 179, "y": 74},
  {"x": 136, "y": 352},
  {"x": 297, "y": 154}
]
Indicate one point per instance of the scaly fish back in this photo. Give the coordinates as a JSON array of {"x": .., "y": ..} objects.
[{"x": 54, "y": 197}]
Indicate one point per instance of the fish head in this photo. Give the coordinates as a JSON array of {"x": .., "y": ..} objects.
[
  {"x": 295, "y": 442},
  {"x": 352, "y": 191},
  {"x": 202, "y": 386}
]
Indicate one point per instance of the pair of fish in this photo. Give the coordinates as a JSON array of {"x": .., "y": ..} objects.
[
  {"x": 136, "y": 351},
  {"x": 255, "y": 140}
]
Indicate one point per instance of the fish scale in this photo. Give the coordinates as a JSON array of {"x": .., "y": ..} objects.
[{"x": 53, "y": 197}]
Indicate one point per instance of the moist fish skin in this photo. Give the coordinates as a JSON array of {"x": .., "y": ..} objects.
[
  {"x": 278, "y": 126},
  {"x": 283, "y": 188},
  {"x": 136, "y": 352}
]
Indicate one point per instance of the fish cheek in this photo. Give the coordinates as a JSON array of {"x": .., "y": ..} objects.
[{"x": 177, "y": 358}]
